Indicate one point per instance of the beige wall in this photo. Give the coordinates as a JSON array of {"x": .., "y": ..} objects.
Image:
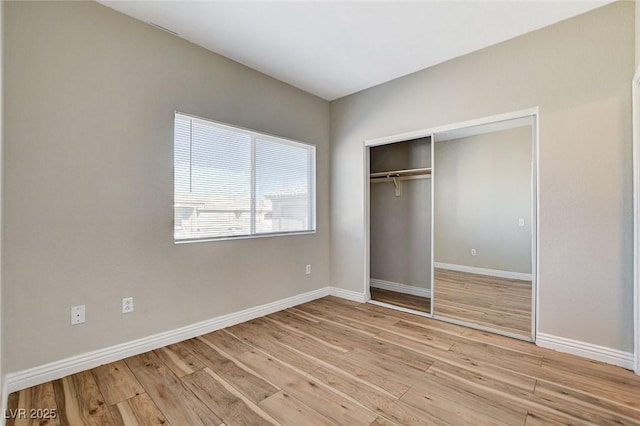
[
  {"x": 482, "y": 187},
  {"x": 578, "y": 72},
  {"x": 90, "y": 97}
]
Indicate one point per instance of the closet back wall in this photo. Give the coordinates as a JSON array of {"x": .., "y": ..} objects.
[
  {"x": 578, "y": 72},
  {"x": 90, "y": 96},
  {"x": 401, "y": 233}
]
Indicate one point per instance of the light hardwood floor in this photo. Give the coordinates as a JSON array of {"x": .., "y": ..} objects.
[
  {"x": 498, "y": 303},
  {"x": 417, "y": 303},
  {"x": 333, "y": 361}
]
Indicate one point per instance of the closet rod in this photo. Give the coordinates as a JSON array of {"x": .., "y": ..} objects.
[
  {"x": 400, "y": 173},
  {"x": 383, "y": 179}
]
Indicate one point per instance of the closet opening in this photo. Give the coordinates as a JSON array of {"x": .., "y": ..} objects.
[
  {"x": 400, "y": 225},
  {"x": 451, "y": 217}
]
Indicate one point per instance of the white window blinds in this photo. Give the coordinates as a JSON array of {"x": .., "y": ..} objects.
[{"x": 231, "y": 182}]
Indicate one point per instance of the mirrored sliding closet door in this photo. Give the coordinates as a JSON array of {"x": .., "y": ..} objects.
[{"x": 483, "y": 204}]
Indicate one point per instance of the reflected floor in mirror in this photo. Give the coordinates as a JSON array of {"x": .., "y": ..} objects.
[
  {"x": 403, "y": 300},
  {"x": 499, "y": 303}
]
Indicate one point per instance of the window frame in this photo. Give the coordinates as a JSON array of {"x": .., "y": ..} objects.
[{"x": 253, "y": 134}]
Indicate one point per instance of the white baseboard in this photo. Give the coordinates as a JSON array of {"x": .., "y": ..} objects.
[
  {"x": 586, "y": 350},
  {"x": 400, "y": 288},
  {"x": 58, "y": 369},
  {"x": 484, "y": 271},
  {"x": 347, "y": 294},
  {"x": 75, "y": 364}
]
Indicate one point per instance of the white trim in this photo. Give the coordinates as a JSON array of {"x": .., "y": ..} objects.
[
  {"x": 245, "y": 237},
  {"x": 58, "y": 369},
  {"x": 400, "y": 288},
  {"x": 432, "y": 277},
  {"x": 635, "y": 90},
  {"x": 367, "y": 222},
  {"x": 347, "y": 294},
  {"x": 586, "y": 350},
  {"x": 484, "y": 271},
  {"x": 535, "y": 231},
  {"x": 427, "y": 132}
]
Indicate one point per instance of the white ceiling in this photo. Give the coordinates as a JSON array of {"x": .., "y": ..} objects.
[{"x": 335, "y": 48}]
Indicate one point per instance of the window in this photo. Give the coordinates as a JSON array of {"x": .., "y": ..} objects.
[{"x": 231, "y": 182}]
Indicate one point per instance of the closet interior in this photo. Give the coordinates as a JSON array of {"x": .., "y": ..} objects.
[{"x": 400, "y": 224}]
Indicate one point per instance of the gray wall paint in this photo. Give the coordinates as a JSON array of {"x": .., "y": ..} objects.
[
  {"x": 401, "y": 226},
  {"x": 578, "y": 73},
  {"x": 90, "y": 96},
  {"x": 482, "y": 187}
]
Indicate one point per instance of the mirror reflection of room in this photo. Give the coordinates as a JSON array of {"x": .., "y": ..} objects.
[
  {"x": 482, "y": 226},
  {"x": 400, "y": 224}
]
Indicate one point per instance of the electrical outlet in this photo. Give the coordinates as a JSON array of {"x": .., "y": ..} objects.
[
  {"x": 77, "y": 315},
  {"x": 127, "y": 305},
  {"x": 473, "y": 252},
  {"x": 521, "y": 222},
  {"x": 307, "y": 270}
]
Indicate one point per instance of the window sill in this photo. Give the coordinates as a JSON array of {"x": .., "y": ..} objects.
[{"x": 244, "y": 237}]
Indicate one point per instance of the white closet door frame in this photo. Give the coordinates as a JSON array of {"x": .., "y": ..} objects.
[
  {"x": 635, "y": 90},
  {"x": 535, "y": 205}
]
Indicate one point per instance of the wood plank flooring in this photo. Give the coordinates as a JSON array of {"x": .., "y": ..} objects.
[
  {"x": 499, "y": 303},
  {"x": 417, "y": 303},
  {"x": 333, "y": 361}
]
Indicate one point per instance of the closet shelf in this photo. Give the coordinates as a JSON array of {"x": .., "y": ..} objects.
[{"x": 401, "y": 173}]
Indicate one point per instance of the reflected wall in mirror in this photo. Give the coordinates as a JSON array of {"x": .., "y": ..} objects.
[
  {"x": 483, "y": 226},
  {"x": 400, "y": 224}
]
